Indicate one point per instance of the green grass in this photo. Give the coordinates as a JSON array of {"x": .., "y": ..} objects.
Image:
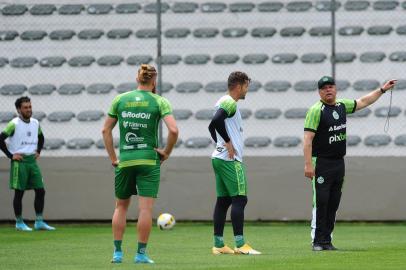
[{"x": 188, "y": 246}]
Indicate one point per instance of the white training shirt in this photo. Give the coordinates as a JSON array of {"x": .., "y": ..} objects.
[{"x": 22, "y": 136}]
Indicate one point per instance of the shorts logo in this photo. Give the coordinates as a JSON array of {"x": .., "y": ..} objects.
[
  {"x": 320, "y": 180},
  {"x": 335, "y": 115}
]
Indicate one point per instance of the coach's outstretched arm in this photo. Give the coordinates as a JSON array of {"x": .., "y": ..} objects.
[
  {"x": 173, "y": 134},
  {"x": 373, "y": 96},
  {"x": 108, "y": 139}
]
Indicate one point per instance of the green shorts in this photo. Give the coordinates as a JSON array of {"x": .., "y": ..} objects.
[
  {"x": 231, "y": 179},
  {"x": 25, "y": 174},
  {"x": 140, "y": 179}
]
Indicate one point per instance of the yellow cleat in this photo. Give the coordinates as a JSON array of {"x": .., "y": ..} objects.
[
  {"x": 246, "y": 250},
  {"x": 222, "y": 250}
]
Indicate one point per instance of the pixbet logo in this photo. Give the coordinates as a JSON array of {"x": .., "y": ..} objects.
[
  {"x": 337, "y": 138},
  {"x": 139, "y": 115}
]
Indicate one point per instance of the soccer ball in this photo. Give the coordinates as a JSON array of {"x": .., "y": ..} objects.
[{"x": 166, "y": 221}]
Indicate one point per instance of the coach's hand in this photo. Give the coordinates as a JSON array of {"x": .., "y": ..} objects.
[
  {"x": 17, "y": 157},
  {"x": 162, "y": 154},
  {"x": 389, "y": 85},
  {"x": 309, "y": 171},
  {"x": 230, "y": 149}
]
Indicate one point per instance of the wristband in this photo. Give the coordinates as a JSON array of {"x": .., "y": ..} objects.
[{"x": 382, "y": 91}]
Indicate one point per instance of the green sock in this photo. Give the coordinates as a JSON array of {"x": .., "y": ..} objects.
[
  {"x": 19, "y": 219},
  {"x": 141, "y": 248},
  {"x": 117, "y": 245},
  {"x": 239, "y": 240},
  {"x": 39, "y": 217},
  {"x": 218, "y": 241}
]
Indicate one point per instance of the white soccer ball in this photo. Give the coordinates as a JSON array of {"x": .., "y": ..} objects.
[{"x": 166, "y": 221}]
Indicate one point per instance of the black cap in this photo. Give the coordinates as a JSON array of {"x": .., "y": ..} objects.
[{"x": 325, "y": 80}]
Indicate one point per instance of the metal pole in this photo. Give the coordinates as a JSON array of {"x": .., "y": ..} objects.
[
  {"x": 158, "y": 58},
  {"x": 333, "y": 39}
]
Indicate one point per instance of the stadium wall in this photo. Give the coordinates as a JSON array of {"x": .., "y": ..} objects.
[{"x": 81, "y": 188}]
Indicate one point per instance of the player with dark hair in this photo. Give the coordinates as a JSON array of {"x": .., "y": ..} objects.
[{"x": 25, "y": 142}]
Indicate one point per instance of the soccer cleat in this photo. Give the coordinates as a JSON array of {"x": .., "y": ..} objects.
[
  {"x": 317, "y": 247},
  {"x": 142, "y": 258},
  {"x": 21, "y": 226},
  {"x": 117, "y": 257},
  {"x": 246, "y": 250},
  {"x": 329, "y": 247},
  {"x": 41, "y": 225},
  {"x": 222, "y": 250}
]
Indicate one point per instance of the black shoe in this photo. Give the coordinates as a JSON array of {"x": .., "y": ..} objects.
[
  {"x": 329, "y": 247},
  {"x": 317, "y": 247}
]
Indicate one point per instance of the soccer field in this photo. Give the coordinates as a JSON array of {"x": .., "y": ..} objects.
[{"x": 188, "y": 246}]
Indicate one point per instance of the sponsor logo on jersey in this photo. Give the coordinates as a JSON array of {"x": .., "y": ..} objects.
[
  {"x": 128, "y": 147},
  {"x": 220, "y": 149},
  {"x": 132, "y": 125},
  {"x": 139, "y": 115},
  {"x": 134, "y": 104},
  {"x": 335, "y": 115},
  {"x": 137, "y": 99},
  {"x": 335, "y": 128},
  {"x": 337, "y": 138},
  {"x": 320, "y": 180},
  {"x": 29, "y": 133},
  {"x": 133, "y": 138},
  {"x": 143, "y": 145}
]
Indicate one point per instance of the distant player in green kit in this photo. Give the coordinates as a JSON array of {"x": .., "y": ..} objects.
[
  {"x": 137, "y": 171},
  {"x": 25, "y": 142}
]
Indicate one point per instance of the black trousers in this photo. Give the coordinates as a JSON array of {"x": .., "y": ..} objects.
[{"x": 327, "y": 187}]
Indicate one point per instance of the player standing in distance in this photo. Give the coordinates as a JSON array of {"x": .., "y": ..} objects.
[
  {"x": 25, "y": 142},
  {"x": 324, "y": 150},
  {"x": 138, "y": 113},
  {"x": 231, "y": 181}
]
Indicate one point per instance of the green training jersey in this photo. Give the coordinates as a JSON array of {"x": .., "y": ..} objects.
[{"x": 138, "y": 113}]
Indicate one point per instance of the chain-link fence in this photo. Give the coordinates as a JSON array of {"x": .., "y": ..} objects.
[{"x": 72, "y": 58}]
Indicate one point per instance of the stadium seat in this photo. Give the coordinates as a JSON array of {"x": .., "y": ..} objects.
[
  {"x": 119, "y": 33},
  {"x": 79, "y": 143},
  {"x": 320, "y": 31},
  {"x": 400, "y": 85},
  {"x": 296, "y": 113},
  {"x": 71, "y": 9},
  {"x": 128, "y": 8},
  {"x": 342, "y": 85},
  {"x": 39, "y": 115},
  {"x": 153, "y": 7},
  {"x": 110, "y": 60},
  {"x": 100, "y": 88},
  {"x": 90, "y": 115},
  {"x": 13, "y": 89},
  {"x": 372, "y": 57},
  {"x": 254, "y": 86},
  {"x": 137, "y": 60},
  {"x": 356, "y": 5},
  {"x": 345, "y": 57},
  {"x": 189, "y": 87},
  {"x": 52, "y": 61},
  {"x": 383, "y": 111},
  {"x": 70, "y": 89},
  {"x": 226, "y": 58},
  {"x": 287, "y": 141},
  {"x": 207, "y": 32},
  {"x": 33, "y": 35},
  {"x": 53, "y": 143},
  {"x": 399, "y": 56},
  {"x": 61, "y": 34},
  {"x": 41, "y": 89},
  {"x": 177, "y": 144},
  {"x": 377, "y": 140},
  {"x": 99, "y": 9},
  {"x": 81, "y": 61},
  {"x": 3, "y": 61},
  {"x": 267, "y": 113},
  {"x": 380, "y": 30},
  {"x": 400, "y": 30},
  {"x": 179, "y": 32},
  {"x": 184, "y": 7},
  {"x": 166, "y": 87},
  {"x": 255, "y": 58},
  {"x": 125, "y": 87},
  {"x": 263, "y": 32},
  {"x": 180, "y": 114},
  {"x": 385, "y": 5},
  {"x": 212, "y": 7},
  {"x": 170, "y": 59},
  {"x": 215, "y": 87},
  {"x": 7, "y": 116},
  {"x": 197, "y": 142},
  {"x": 400, "y": 140},
  {"x": 350, "y": 30},
  {"x": 257, "y": 141},
  {"x": 360, "y": 114},
  {"x": 205, "y": 114},
  {"x": 284, "y": 58},
  {"x": 292, "y": 31},
  {"x": 23, "y": 62},
  {"x": 241, "y": 7},
  {"x": 60, "y": 116},
  {"x": 245, "y": 113},
  {"x": 8, "y": 35},
  {"x": 404, "y": 4},
  {"x": 365, "y": 85},
  {"x": 14, "y": 10},
  {"x": 327, "y": 6},
  {"x": 42, "y": 9},
  {"x": 272, "y": 6},
  {"x": 299, "y": 6},
  {"x": 305, "y": 86},
  {"x": 90, "y": 34},
  {"x": 196, "y": 59},
  {"x": 353, "y": 140},
  {"x": 100, "y": 143},
  {"x": 313, "y": 58},
  {"x": 234, "y": 32},
  {"x": 277, "y": 86}
]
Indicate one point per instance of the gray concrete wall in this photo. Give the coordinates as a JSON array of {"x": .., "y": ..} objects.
[{"x": 82, "y": 188}]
